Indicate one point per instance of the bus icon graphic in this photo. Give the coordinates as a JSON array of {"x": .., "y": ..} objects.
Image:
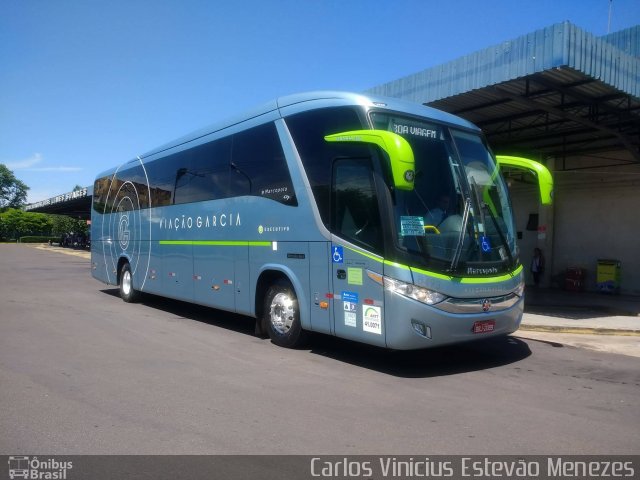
[{"x": 18, "y": 467}]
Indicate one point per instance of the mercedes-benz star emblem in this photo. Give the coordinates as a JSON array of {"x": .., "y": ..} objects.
[{"x": 486, "y": 305}]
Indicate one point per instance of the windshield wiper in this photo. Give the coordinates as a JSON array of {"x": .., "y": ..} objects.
[
  {"x": 503, "y": 239},
  {"x": 465, "y": 221},
  {"x": 482, "y": 222},
  {"x": 481, "y": 207}
]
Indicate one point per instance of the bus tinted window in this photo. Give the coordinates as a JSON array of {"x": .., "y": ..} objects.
[
  {"x": 100, "y": 192},
  {"x": 258, "y": 166},
  {"x": 308, "y": 130},
  {"x": 126, "y": 190},
  {"x": 248, "y": 163},
  {"x": 129, "y": 190},
  {"x": 355, "y": 204},
  {"x": 203, "y": 173},
  {"x": 162, "y": 178}
]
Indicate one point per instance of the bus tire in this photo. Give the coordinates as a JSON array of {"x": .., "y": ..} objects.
[
  {"x": 282, "y": 316},
  {"x": 127, "y": 292}
]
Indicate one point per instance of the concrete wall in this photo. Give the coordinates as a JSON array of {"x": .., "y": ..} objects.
[
  {"x": 525, "y": 200},
  {"x": 596, "y": 215}
]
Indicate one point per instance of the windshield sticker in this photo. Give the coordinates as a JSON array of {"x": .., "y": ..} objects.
[
  {"x": 350, "y": 319},
  {"x": 372, "y": 319},
  {"x": 354, "y": 276},
  {"x": 412, "y": 226}
]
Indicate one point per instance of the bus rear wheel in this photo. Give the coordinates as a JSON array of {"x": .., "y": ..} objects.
[
  {"x": 282, "y": 316},
  {"x": 127, "y": 292}
]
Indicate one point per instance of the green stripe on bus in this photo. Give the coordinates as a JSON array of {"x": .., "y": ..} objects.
[
  {"x": 215, "y": 243},
  {"x": 501, "y": 278},
  {"x": 364, "y": 254}
]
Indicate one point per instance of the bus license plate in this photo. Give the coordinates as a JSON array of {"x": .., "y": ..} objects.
[{"x": 484, "y": 326}]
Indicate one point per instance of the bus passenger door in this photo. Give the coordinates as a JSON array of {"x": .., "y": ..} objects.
[{"x": 356, "y": 250}]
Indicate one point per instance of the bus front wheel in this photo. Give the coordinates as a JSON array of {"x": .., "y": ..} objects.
[
  {"x": 127, "y": 292},
  {"x": 282, "y": 316}
]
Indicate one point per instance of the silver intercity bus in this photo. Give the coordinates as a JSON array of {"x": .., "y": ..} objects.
[{"x": 367, "y": 218}]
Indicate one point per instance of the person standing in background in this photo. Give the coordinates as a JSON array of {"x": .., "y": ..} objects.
[{"x": 537, "y": 266}]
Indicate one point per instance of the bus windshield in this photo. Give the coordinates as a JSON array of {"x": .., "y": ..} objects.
[{"x": 457, "y": 219}]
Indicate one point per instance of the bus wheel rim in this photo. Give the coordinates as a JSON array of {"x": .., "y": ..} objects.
[
  {"x": 281, "y": 313},
  {"x": 126, "y": 283}
]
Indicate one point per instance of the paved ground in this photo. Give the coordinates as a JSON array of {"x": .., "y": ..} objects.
[
  {"x": 620, "y": 344},
  {"x": 585, "y": 320},
  {"x": 83, "y": 372}
]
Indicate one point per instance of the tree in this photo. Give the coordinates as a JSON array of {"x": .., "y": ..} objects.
[
  {"x": 13, "y": 192},
  {"x": 63, "y": 224},
  {"x": 16, "y": 223}
]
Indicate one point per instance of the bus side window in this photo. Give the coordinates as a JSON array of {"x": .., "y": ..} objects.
[
  {"x": 355, "y": 214},
  {"x": 202, "y": 173},
  {"x": 124, "y": 191},
  {"x": 162, "y": 178},
  {"x": 100, "y": 191},
  {"x": 308, "y": 130},
  {"x": 258, "y": 166}
]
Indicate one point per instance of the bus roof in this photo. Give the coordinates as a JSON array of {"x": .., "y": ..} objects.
[
  {"x": 316, "y": 99},
  {"x": 375, "y": 100}
]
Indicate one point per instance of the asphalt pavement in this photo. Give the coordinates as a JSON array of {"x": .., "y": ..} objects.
[
  {"x": 598, "y": 321},
  {"x": 84, "y": 373}
]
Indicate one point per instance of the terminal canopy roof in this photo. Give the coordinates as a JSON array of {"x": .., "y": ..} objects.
[
  {"x": 75, "y": 204},
  {"x": 558, "y": 92}
]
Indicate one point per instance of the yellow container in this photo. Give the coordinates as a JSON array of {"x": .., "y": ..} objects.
[{"x": 608, "y": 276}]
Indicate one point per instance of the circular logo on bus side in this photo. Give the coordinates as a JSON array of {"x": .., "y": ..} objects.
[
  {"x": 125, "y": 224},
  {"x": 126, "y": 228},
  {"x": 123, "y": 232}
]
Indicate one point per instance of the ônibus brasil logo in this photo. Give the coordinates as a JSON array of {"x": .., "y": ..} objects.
[{"x": 40, "y": 469}]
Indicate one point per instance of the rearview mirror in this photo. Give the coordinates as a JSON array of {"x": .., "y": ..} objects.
[
  {"x": 397, "y": 148},
  {"x": 542, "y": 173}
]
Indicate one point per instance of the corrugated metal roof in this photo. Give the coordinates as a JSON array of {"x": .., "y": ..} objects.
[
  {"x": 627, "y": 40},
  {"x": 558, "y": 91},
  {"x": 560, "y": 45}
]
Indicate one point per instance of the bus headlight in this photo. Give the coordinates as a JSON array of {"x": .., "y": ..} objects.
[
  {"x": 519, "y": 289},
  {"x": 412, "y": 291}
]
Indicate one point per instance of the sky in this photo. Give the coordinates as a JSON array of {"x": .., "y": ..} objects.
[{"x": 86, "y": 85}]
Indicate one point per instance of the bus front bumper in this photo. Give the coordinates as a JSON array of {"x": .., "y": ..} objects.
[{"x": 411, "y": 325}]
